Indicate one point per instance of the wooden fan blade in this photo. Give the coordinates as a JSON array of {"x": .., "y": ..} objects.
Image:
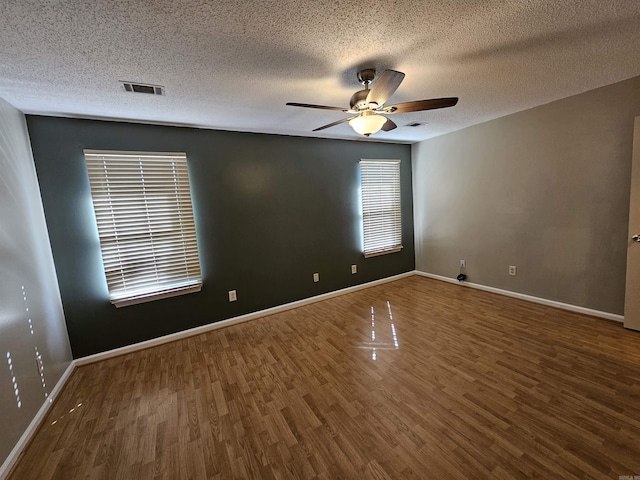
[
  {"x": 322, "y": 107},
  {"x": 384, "y": 87},
  {"x": 419, "y": 105},
  {"x": 389, "y": 125},
  {"x": 333, "y": 124}
]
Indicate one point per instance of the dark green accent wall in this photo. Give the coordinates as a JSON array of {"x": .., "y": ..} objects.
[{"x": 270, "y": 211}]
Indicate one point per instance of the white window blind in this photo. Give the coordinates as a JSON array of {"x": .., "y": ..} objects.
[
  {"x": 381, "y": 214},
  {"x": 145, "y": 223}
]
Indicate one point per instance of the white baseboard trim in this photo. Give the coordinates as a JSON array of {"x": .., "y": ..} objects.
[
  {"x": 19, "y": 447},
  {"x": 231, "y": 321},
  {"x": 529, "y": 298}
]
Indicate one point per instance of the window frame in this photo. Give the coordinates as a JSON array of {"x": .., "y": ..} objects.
[
  {"x": 394, "y": 213},
  {"x": 159, "y": 201}
]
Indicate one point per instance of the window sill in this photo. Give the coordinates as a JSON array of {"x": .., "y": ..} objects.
[
  {"x": 383, "y": 252},
  {"x": 150, "y": 297}
]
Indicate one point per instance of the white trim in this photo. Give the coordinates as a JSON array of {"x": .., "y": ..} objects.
[
  {"x": 149, "y": 297},
  {"x": 19, "y": 447},
  {"x": 231, "y": 321},
  {"x": 529, "y": 298},
  {"x": 383, "y": 252}
]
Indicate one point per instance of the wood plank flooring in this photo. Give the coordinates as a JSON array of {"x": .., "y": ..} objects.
[{"x": 411, "y": 379}]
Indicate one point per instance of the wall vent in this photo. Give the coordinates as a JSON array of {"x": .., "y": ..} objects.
[{"x": 142, "y": 88}]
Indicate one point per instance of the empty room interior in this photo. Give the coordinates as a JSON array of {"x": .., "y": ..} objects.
[{"x": 312, "y": 239}]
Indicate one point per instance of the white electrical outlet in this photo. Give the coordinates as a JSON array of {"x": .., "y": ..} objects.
[
  {"x": 232, "y": 296},
  {"x": 316, "y": 277},
  {"x": 513, "y": 270},
  {"x": 354, "y": 269},
  {"x": 463, "y": 264}
]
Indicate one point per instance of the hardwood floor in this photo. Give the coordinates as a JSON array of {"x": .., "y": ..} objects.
[{"x": 411, "y": 379}]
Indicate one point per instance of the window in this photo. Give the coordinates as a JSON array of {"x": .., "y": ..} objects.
[
  {"x": 145, "y": 223},
  {"x": 381, "y": 219}
]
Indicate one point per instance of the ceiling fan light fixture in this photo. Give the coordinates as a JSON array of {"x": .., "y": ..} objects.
[
  {"x": 368, "y": 105},
  {"x": 367, "y": 123}
]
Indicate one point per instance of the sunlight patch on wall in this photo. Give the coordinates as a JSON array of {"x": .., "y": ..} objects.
[{"x": 13, "y": 380}]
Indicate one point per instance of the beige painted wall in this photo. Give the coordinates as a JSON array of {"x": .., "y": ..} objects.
[
  {"x": 34, "y": 347},
  {"x": 545, "y": 189}
]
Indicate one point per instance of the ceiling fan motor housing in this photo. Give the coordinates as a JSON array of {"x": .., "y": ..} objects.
[{"x": 359, "y": 100}]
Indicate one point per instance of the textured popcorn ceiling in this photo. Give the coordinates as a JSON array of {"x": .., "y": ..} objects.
[{"x": 233, "y": 64}]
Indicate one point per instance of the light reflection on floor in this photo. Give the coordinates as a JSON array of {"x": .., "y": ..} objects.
[
  {"x": 70, "y": 412},
  {"x": 378, "y": 342}
]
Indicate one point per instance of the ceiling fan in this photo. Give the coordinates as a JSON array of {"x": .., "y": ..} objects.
[{"x": 368, "y": 104}]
